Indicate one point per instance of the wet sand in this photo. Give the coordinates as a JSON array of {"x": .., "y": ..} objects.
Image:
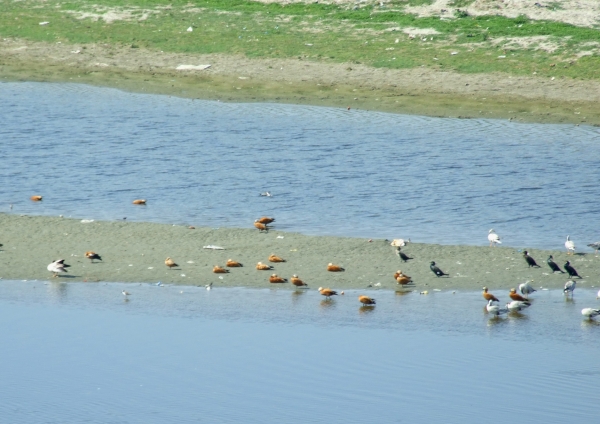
[{"x": 135, "y": 252}]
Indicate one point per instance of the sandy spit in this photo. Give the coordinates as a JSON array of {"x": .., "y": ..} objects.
[{"x": 135, "y": 252}]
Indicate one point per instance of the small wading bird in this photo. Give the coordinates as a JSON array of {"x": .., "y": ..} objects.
[
  {"x": 92, "y": 255},
  {"x": 366, "y": 300},
  {"x": 233, "y": 264},
  {"x": 265, "y": 220},
  {"x": 517, "y": 305},
  {"x": 438, "y": 272},
  {"x": 569, "y": 287},
  {"x": 261, "y": 227},
  {"x": 219, "y": 270},
  {"x": 570, "y": 270},
  {"x": 125, "y": 293},
  {"x": 275, "y": 258},
  {"x": 493, "y": 238},
  {"x": 495, "y": 309},
  {"x": 295, "y": 280},
  {"x": 327, "y": 292},
  {"x": 570, "y": 245},
  {"x": 401, "y": 255},
  {"x": 57, "y": 267},
  {"x": 553, "y": 266},
  {"x": 526, "y": 289},
  {"x": 515, "y": 296},
  {"x": 170, "y": 263},
  {"x": 334, "y": 268},
  {"x": 208, "y": 286},
  {"x": 595, "y": 246},
  {"x": 488, "y": 296},
  {"x": 36, "y": 198},
  {"x": 277, "y": 279},
  {"x": 590, "y": 313},
  {"x": 530, "y": 261},
  {"x": 263, "y": 267},
  {"x": 139, "y": 202}
]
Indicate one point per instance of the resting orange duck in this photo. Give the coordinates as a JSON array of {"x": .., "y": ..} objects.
[
  {"x": 334, "y": 268},
  {"x": 263, "y": 267},
  {"x": 277, "y": 279},
  {"x": 402, "y": 278},
  {"x": 219, "y": 270},
  {"x": 366, "y": 300},
  {"x": 139, "y": 202},
  {"x": 36, "y": 198},
  {"x": 233, "y": 264},
  {"x": 275, "y": 258},
  {"x": 297, "y": 281}
]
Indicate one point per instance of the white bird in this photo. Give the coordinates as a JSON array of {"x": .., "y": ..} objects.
[
  {"x": 598, "y": 295},
  {"x": 266, "y": 194},
  {"x": 57, "y": 267},
  {"x": 517, "y": 305},
  {"x": 208, "y": 286},
  {"x": 569, "y": 287},
  {"x": 570, "y": 246},
  {"x": 493, "y": 238},
  {"x": 495, "y": 309},
  {"x": 399, "y": 242},
  {"x": 526, "y": 289},
  {"x": 590, "y": 312},
  {"x": 125, "y": 293}
]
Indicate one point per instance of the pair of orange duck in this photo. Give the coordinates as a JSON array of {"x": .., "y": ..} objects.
[
  {"x": 512, "y": 294},
  {"x": 261, "y": 223}
]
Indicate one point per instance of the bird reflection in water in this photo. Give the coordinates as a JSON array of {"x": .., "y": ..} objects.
[
  {"x": 297, "y": 295},
  {"x": 402, "y": 292},
  {"x": 327, "y": 304},
  {"x": 57, "y": 291},
  {"x": 366, "y": 309}
]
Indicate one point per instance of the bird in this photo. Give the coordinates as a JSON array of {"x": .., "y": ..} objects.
[
  {"x": 263, "y": 267},
  {"x": 598, "y": 295},
  {"x": 233, "y": 264},
  {"x": 57, "y": 267},
  {"x": 399, "y": 242},
  {"x": 495, "y": 309},
  {"x": 517, "y": 305},
  {"x": 569, "y": 287},
  {"x": 570, "y": 270},
  {"x": 125, "y": 293},
  {"x": 295, "y": 280},
  {"x": 590, "y": 312},
  {"x": 36, "y": 198},
  {"x": 493, "y": 238},
  {"x": 266, "y": 194},
  {"x": 553, "y": 266},
  {"x": 275, "y": 258},
  {"x": 401, "y": 255},
  {"x": 334, "y": 268},
  {"x": 436, "y": 270},
  {"x": 366, "y": 300},
  {"x": 261, "y": 227},
  {"x": 219, "y": 270},
  {"x": 265, "y": 220},
  {"x": 516, "y": 296},
  {"x": 526, "y": 289},
  {"x": 327, "y": 292},
  {"x": 139, "y": 202},
  {"x": 570, "y": 245},
  {"x": 208, "y": 286},
  {"x": 170, "y": 263},
  {"x": 92, "y": 255},
  {"x": 595, "y": 246},
  {"x": 402, "y": 279},
  {"x": 274, "y": 278},
  {"x": 488, "y": 296},
  {"x": 530, "y": 261}
]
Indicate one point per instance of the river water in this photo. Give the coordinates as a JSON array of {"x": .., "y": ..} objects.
[{"x": 90, "y": 151}]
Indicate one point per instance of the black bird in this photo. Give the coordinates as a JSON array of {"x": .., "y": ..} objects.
[
  {"x": 436, "y": 270},
  {"x": 553, "y": 266},
  {"x": 572, "y": 272},
  {"x": 402, "y": 256},
  {"x": 530, "y": 261}
]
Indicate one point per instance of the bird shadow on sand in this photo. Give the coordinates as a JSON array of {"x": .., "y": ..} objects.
[{"x": 69, "y": 276}]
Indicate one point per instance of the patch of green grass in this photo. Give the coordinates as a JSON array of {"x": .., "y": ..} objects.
[{"x": 321, "y": 32}]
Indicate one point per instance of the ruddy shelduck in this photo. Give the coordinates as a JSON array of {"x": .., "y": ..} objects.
[
  {"x": 516, "y": 296},
  {"x": 327, "y": 292},
  {"x": 92, "y": 255},
  {"x": 366, "y": 300},
  {"x": 170, "y": 263},
  {"x": 263, "y": 267},
  {"x": 261, "y": 227},
  {"x": 403, "y": 279},
  {"x": 36, "y": 198},
  {"x": 233, "y": 264},
  {"x": 334, "y": 268},
  {"x": 275, "y": 258},
  {"x": 274, "y": 278},
  {"x": 295, "y": 280},
  {"x": 219, "y": 270},
  {"x": 139, "y": 202},
  {"x": 265, "y": 220},
  {"x": 488, "y": 296}
]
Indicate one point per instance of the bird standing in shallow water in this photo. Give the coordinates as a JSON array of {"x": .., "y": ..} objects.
[
  {"x": 327, "y": 292},
  {"x": 493, "y": 238},
  {"x": 366, "y": 300},
  {"x": 515, "y": 296},
  {"x": 402, "y": 255},
  {"x": 125, "y": 293},
  {"x": 530, "y": 261},
  {"x": 570, "y": 245},
  {"x": 570, "y": 270},
  {"x": 436, "y": 270},
  {"x": 526, "y": 289},
  {"x": 590, "y": 312},
  {"x": 488, "y": 296},
  {"x": 553, "y": 266},
  {"x": 517, "y": 305},
  {"x": 569, "y": 287},
  {"x": 295, "y": 280},
  {"x": 495, "y": 309}
]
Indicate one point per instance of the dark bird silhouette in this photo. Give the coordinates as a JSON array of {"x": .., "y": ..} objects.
[
  {"x": 402, "y": 255},
  {"x": 530, "y": 261},
  {"x": 436, "y": 270},
  {"x": 572, "y": 271},
  {"x": 553, "y": 266},
  {"x": 92, "y": 255}
]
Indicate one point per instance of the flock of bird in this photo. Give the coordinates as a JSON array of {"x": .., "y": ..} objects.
[{"x": 518, "y": 301}]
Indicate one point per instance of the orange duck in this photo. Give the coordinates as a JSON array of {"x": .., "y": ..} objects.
[
  {"x": 488, "y": 296},
  {"x": 139, "y": 202},
  {"x": 515, "y": 296},
  {"x": 233, "y": 264},
  {"x": 36, "y": 198},
  {"x": 170, "y": 263},
  {"x": 265, "y": 220},
  {"x": 366, "y": 300},
  {"x": 277, "y": 279},
  {"x": 334, "y": 268},
  {"x": 219, "y": 270},
  {"x": 297, "y": 281},
  {"x": 263, "y": 267},
  {"x": 327, "y": 292},
  {"x": 92, "y": 255},
  {"x": 275, "y": 258},
  {"x": 261, "y": 227}
]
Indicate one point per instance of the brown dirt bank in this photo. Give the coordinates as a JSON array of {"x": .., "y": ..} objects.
[
  {"x": 231, "y": 78},
  {"x": 135, "y": 252}
]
